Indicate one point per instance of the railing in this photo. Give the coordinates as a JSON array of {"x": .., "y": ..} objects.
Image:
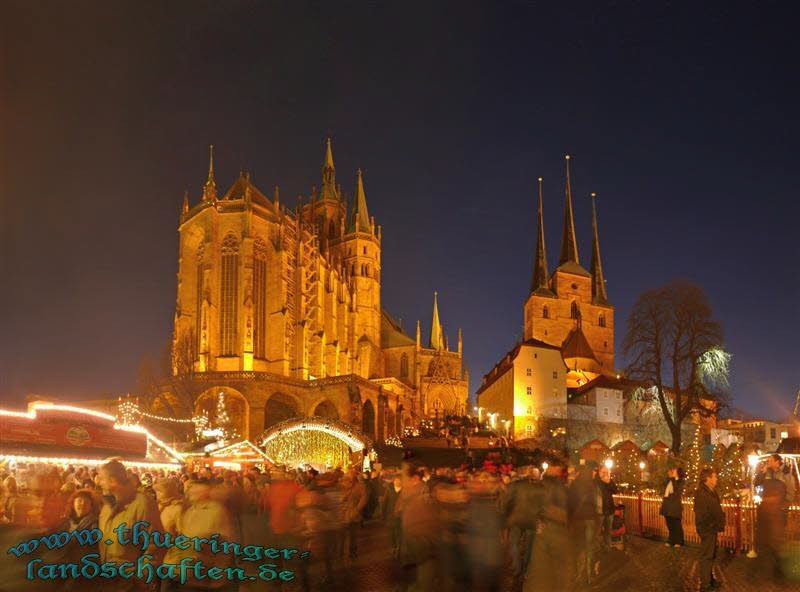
[{"x": 642, "y": 517}]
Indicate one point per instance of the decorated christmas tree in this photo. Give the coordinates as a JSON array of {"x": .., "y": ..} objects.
[
  {"x": 730, "y": 470},
  {"x": 224, "y": 422},
  {"x": 692, "y": 462},
  {"x": 626, "y": 466}
]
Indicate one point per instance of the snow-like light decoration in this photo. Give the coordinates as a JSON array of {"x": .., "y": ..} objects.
[
  {"x": 129, "y": 413},
  {"x": 354, "y": 440},
  {"x": 714, "y": 367},
  {"x": 31, "y": 414},
  {"x": 317, "y": 448},
  {"x": 394, "y": 441}
]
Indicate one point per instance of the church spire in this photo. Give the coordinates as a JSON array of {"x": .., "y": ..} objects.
[
  {"x": 599, "y": 295},
  {"x": 436, "y": 327},
  {"x": 361, "y": 221},
  {"x": 185, "y": 207},
  {"x": 540, "y": 275},
  {"x": 329, "y": 188},
  {"x": 210, "y": 188},
  {"x": 569, "y": 245}
]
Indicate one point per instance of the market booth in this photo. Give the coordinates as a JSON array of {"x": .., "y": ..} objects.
[
  {"x": 228, "y": 455},
  {"x": 63, "y": 435}
]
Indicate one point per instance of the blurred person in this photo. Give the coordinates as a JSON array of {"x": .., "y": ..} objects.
[
  {"x": 203, "y": 516},
  {"x": 483, "y": 531},
  {"x": 771, "y": 524},
  {"x": 709, "y": 521},
  {"x": 452, "y": 502},
  {"x": 10, "y": 502},
  {"x": 585, "y": 505},
  {"x": 672, "y": 506},
  {"x": 170, "y": 503},
  {"x": 420, "y": 529},
  {"x": 607, "y": 491},
  {"x": 355, "y": 500},
  {"x": 390, "y": 517},
  {"x": 520, "y": 505},
  {"x": 124, "y": 504},
  {"x": 550, "y": 567}
]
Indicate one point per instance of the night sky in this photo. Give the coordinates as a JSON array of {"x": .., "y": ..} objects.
[{"x": 683, "y": 119}]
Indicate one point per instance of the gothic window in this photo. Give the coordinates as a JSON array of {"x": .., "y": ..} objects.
[
  {"x": 437, "y": 404},
  {"x": 260, "y": 299},
  {"x": 198, "y": 321},
  {"x": 573, "y": 313},
  {"x": 601, "y": 320},
  {"x": 545, "y": 313},
  {"x": 529, "y": 390},
  {"x": 555, "y": 374},
  {"x": 353, "y": 270},
  {"x": 365, "y": 250},
  {"x": 404, "y": 366},
  {"x": 229, "y": 296}
]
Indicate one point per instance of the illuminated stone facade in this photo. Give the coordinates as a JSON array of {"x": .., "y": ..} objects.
[{"x": 281, "y": 308}]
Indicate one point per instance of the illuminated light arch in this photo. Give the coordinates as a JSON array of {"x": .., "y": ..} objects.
[{"x": 353, "y": 438}]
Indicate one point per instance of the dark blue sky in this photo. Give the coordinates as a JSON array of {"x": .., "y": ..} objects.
[{"x": 682, "y": 118}]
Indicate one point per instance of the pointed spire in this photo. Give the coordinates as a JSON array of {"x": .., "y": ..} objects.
[
  {"x": 210, "y": 188},
  {"x": 276, "y": 195},
  {"x": 419, "y": 334},
  {"x": 540, "y": 275},
  {"x": 436, "y": 327},
  {"x": 361, "y": 221},
  {"x": 460, "y": 343},
  {"x": 329, "y": 187},
  {"x": 599, "y": 295},
  {"x": 185, "y": 207},
  {"x": 569, "y": 245}
]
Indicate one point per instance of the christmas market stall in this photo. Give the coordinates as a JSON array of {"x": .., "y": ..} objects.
[
  {"x": 63, "y": 434},
  {"x": 235, "y": 456}
]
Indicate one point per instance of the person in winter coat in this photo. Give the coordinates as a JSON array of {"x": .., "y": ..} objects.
[
  {"x": 672, "y": 506},
  {"x": 549, "y": 568},
  {"x": 607, "y": 490},
  {"x": 355, "y": 500},
  {"x": 314, "y": 513},
  {"x": 420, "y": 529},
  {"x": 771, "y": 524},
  {"x": 204, "y": 516},
  {"x": 519, "y": 508},
  {"x": 585, "y": 503},
  {"x": 390, "y": 517},
  {"x": 170, "y": 503},
  {"x": 709, "y": 519}
]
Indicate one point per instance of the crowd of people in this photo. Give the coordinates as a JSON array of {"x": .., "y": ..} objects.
[{"x": 449, "y": 528}]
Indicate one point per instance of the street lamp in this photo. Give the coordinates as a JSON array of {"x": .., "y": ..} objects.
[{"x": 609, "y": 464}]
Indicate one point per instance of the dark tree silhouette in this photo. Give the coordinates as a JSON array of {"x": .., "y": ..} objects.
[{"x": 674, "y": 347}]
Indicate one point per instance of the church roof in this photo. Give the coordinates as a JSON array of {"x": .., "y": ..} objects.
[
  {"x": 240, "y": 188},
  {"x": 574, "y": 268},
  {"x": 577, "y": 346},
  {"x": 392, "y": 334}
]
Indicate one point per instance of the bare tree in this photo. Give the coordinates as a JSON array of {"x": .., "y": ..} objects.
[
  {"x": 169, "y": 379},
  {"x": 674, "y": 347}
]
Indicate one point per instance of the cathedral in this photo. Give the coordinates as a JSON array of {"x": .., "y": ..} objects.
[
  {"x": 568, "y": 337},
  {"x": 280, "y": 309}
]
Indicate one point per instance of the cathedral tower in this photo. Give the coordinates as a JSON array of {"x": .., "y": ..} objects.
[{"x": 570, "y": 310}]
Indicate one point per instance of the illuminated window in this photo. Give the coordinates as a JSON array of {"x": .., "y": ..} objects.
[
  {"x": 260, "y": 299},
  {"x": 602, "y": 320},
  {"x": 545, "y": 313},
  {"x": 529, "y": 390},
  {"x": 529, "y": 430},
  {"x": 404, "y": 365},
  {"x": 229, "y": 297},
  {"x": 573, "y": 312}
]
